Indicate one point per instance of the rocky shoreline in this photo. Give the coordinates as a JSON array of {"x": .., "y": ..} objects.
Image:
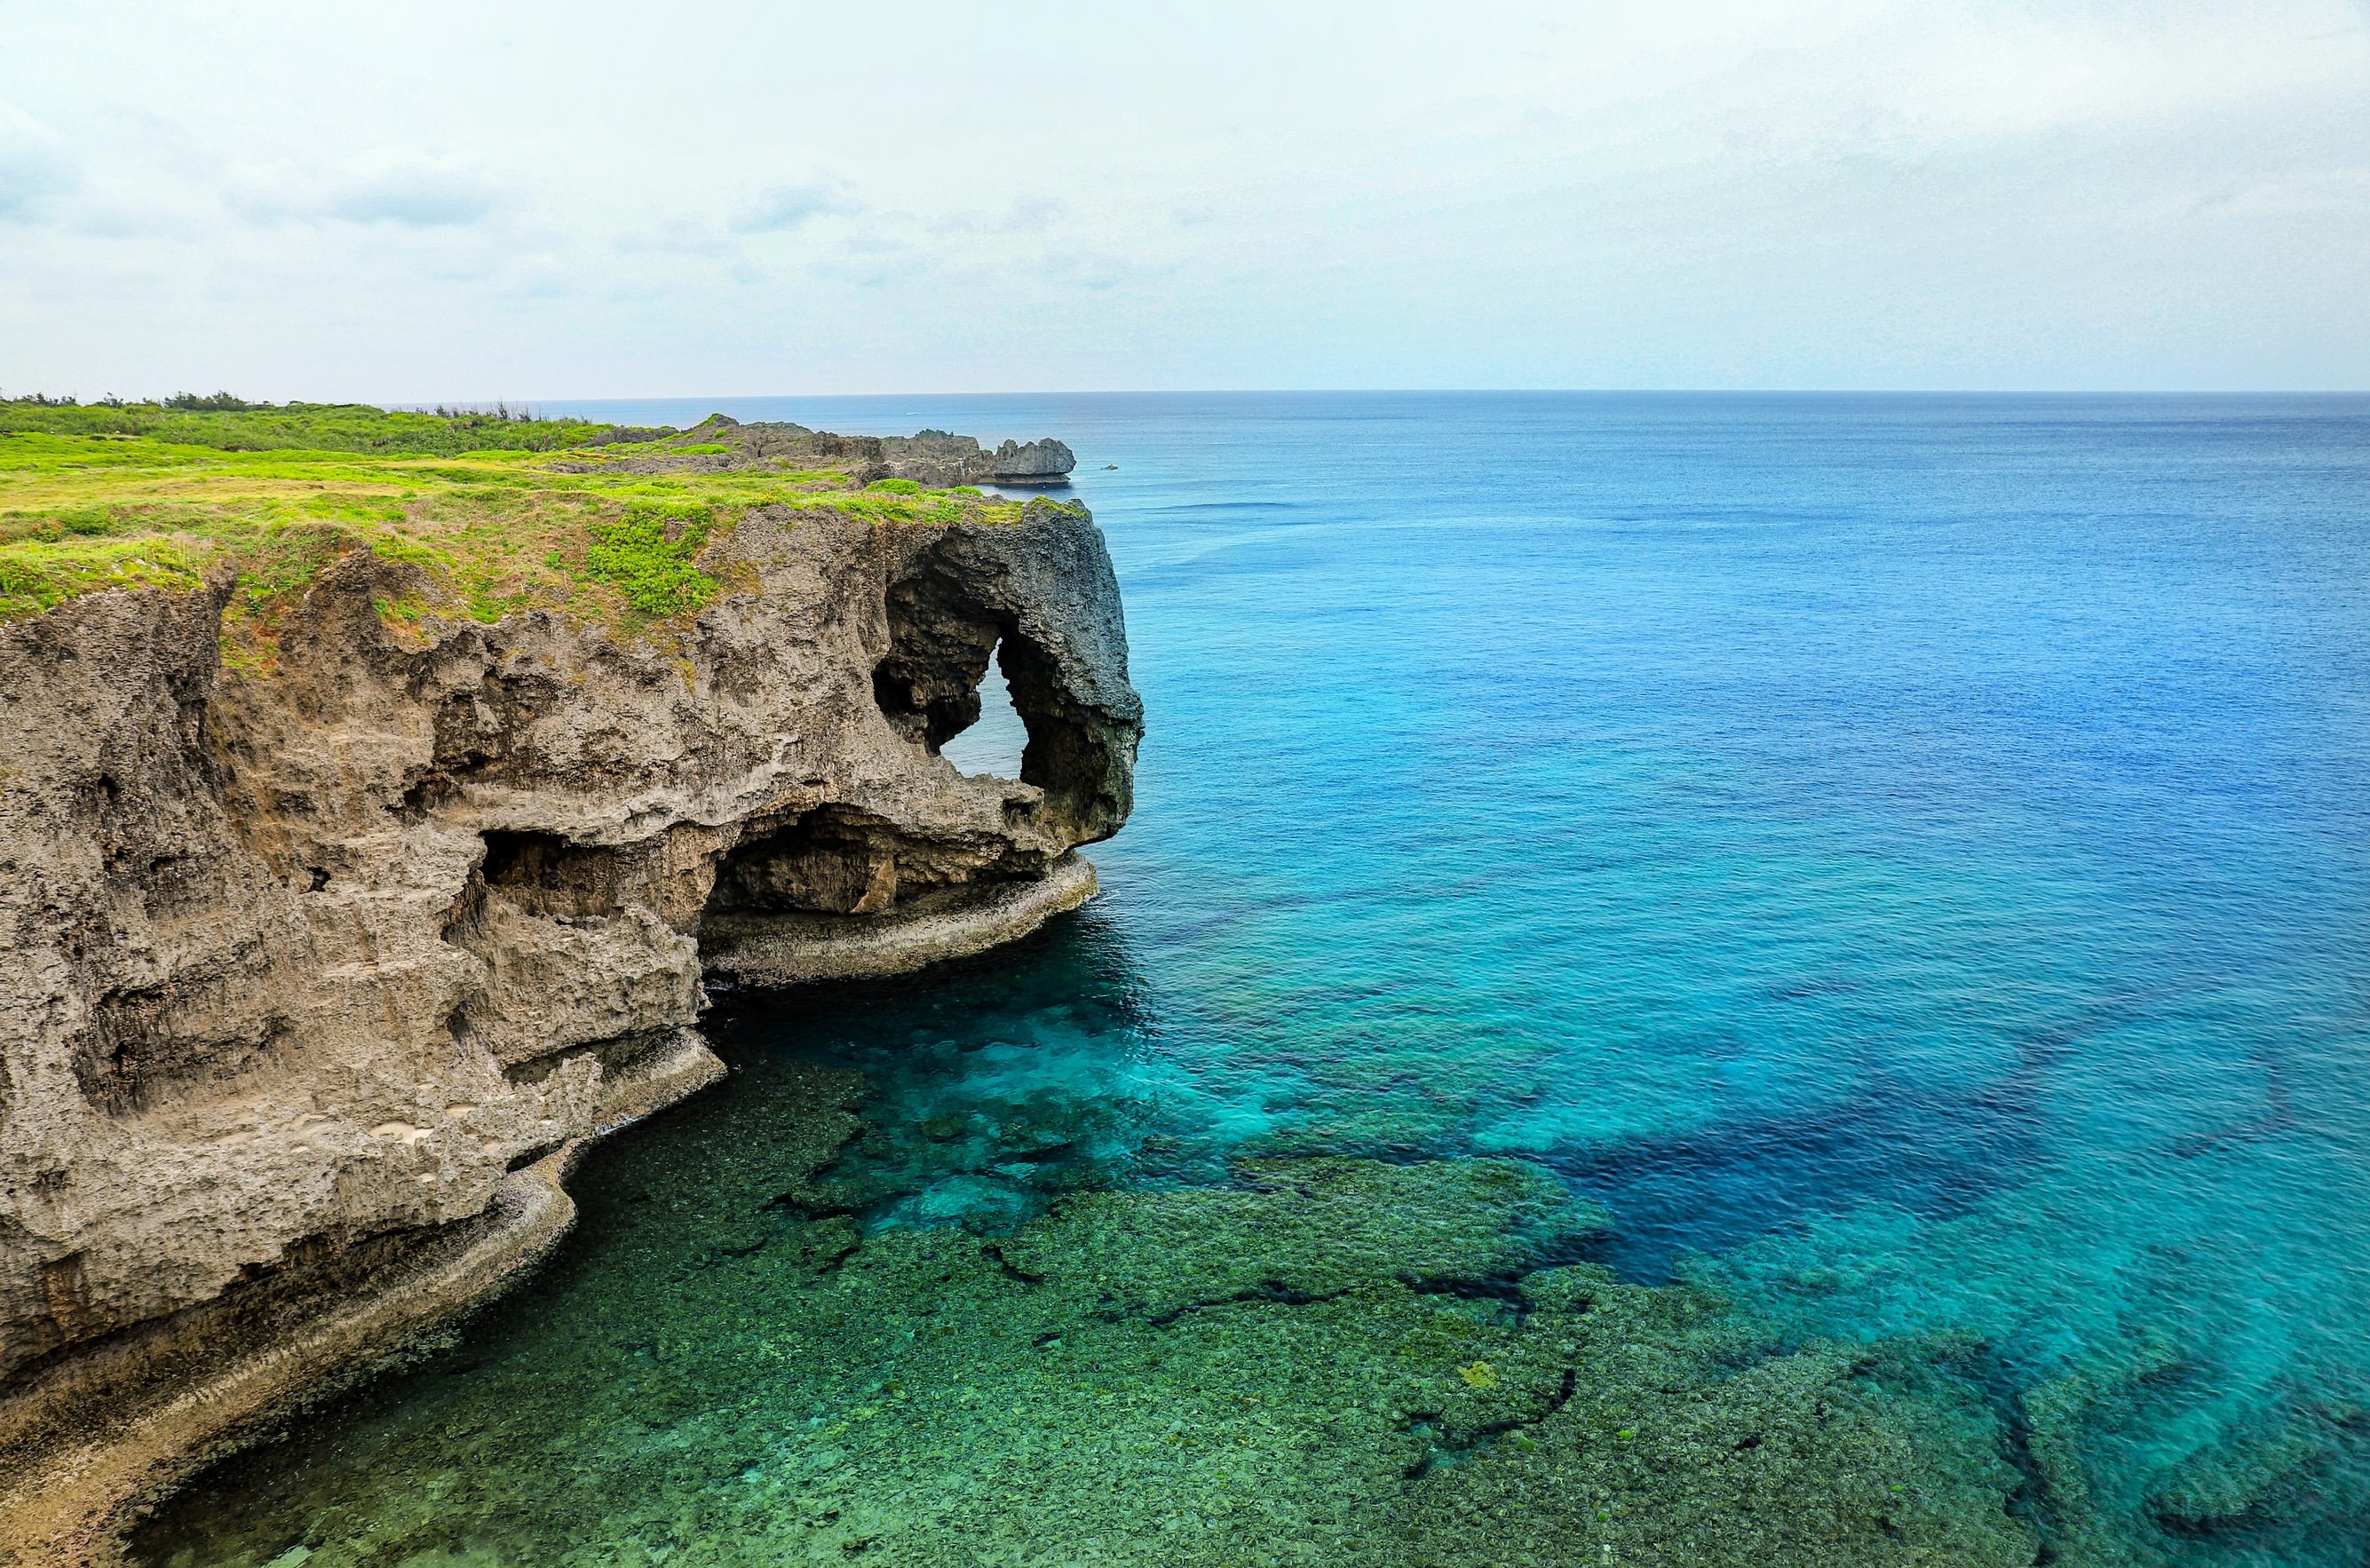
[
  {"x": 796, "y": 948},
  {"x": 326, "y": 966}
]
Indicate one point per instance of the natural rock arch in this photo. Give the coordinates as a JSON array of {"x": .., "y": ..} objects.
[{"x": 965, "y": 597}]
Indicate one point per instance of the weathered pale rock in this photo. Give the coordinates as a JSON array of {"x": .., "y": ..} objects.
[
  {"x": 930, "y": 457},
  {"x": 934, "y": 458},
  {"x": 789, "y": 950},
  {"x": 302, "y": 964}
]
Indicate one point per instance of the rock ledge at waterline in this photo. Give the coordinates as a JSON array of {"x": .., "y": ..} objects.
[{"x": 324, "y": 958}]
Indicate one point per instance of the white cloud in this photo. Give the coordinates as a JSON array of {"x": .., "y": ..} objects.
[
  {"x": 34, "y": 165},
  {"x": 1032, "y": 215},
  {"x": 409, "y": 193},
  {"x": 675, "y": 237},
  {"x": 788, "y": 207},
  {"x": 1758, "y": 193}
]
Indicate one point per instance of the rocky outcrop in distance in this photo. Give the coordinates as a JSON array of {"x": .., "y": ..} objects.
[
  {"x": 931, "y": 457},
  {"x": 934, "y": 458},
  {"x": 317, "y": 978}
]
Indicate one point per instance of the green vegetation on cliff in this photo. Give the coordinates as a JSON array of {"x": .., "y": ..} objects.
[
  {"x": 233, "y": 425},
  {"x": 501, "y": 514}
]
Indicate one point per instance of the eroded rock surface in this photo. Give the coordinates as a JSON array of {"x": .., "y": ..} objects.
[
  {"x": 929, "y": 457},
  {"x": 305, "y": 961},
  {"x": 934, "y": 458}
]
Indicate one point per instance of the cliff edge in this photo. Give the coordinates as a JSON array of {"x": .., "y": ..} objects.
[{"x": 354, "y": 876}]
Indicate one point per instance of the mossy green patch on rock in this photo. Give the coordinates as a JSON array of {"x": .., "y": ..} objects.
[
  {"x": 1685, "y": 1436},
  {"x": 500, "y": 515},
  {"x": 1303, "y": 1228},
  {"x": 652, "y": 554}
]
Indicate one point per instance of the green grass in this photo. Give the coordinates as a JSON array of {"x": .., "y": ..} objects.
[
  {"x": 502, "y": 514},
  {"x": 652, "y": 554},
  {"x": 334, "y": 427}
]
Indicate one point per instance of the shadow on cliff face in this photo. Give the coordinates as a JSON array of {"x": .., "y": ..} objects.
[
  {"x": 947, "y": 619},
  {"x": 835, "y": 860}
]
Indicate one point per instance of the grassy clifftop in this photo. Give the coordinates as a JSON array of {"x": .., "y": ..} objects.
[
  {"x": 225, "y": 422},
  {"x": 504, "y": 514}
]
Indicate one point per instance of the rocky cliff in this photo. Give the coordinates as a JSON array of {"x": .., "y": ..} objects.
[
  {"x": 935, "y": 457},
  {"x": 318, "y": 969},
  {"x": 932, "y": 459}
]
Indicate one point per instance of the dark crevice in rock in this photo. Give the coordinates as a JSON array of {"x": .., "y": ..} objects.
[
  {"x": 173, "y": 1039},
  {"x": 994, "y": 1254},
  {"x": 1505, "y": 1291},
  {"x": 840, "y": 860},
  {"x": 2029, "y": 1500},
  {"x": 820, "y": 1245},
  {"x": 619, "y": 1057},
  {"x": 530, "y": 1153},
  {"x": 546, "y": 874},
  {"x": 806, "y": 1203},
  {"x": 835, "y": 860},
  {"x": 1273, "y": 1293},
  {"x": 1455, "y": 1450},
  {"x": 427, "y": 794}
]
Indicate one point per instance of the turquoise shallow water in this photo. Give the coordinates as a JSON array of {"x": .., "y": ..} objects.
[{"x": 1907, "y": 858}]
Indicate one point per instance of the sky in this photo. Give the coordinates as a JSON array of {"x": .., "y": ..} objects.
[{"x": 423, "y": 201}]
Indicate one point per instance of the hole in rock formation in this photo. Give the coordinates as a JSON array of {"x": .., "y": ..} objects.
[
  {"x": 946, "y": 626},
  {"x": 929, "y": 686},
  {"x": 994, "y": 742}
]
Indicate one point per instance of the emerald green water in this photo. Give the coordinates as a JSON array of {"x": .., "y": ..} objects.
[{"x": 1773, "y": 980}]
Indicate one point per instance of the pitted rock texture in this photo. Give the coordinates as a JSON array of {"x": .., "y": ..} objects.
[
  {"x": 789, "y": 950},
  {"x": 308, "y": 960},
  {"x": 930, "y": 457},
  {"x": 936, "y": 459}
]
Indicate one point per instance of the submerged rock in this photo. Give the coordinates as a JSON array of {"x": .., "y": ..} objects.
[
  {"x": 1300, "y": 1229},
  {"x": 1685, "y": 1435},
  {"x": 2222, "y": 1485},
  {"x": 1332, "y": 1361}
]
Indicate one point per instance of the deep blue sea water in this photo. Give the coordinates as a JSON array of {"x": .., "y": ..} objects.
[{"x": 1908, "y": 857}]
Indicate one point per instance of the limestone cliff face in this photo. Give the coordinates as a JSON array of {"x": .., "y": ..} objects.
[
  {"x": 300, "y": 964},
  {"x": 935, "y": 458},
  {"x": 931, "y": 457}
]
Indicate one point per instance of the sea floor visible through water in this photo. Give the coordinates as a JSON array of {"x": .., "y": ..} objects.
[{"x": 1694, "y": 980}]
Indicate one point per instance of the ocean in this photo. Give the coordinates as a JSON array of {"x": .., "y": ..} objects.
[{"x": 1906, "y": 857}]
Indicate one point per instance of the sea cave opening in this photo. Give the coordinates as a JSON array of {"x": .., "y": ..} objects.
[
  {"x": 994, "y": 742},
  {"x": 933, "y": 684},
  {"x": 834, "y": 860}
]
